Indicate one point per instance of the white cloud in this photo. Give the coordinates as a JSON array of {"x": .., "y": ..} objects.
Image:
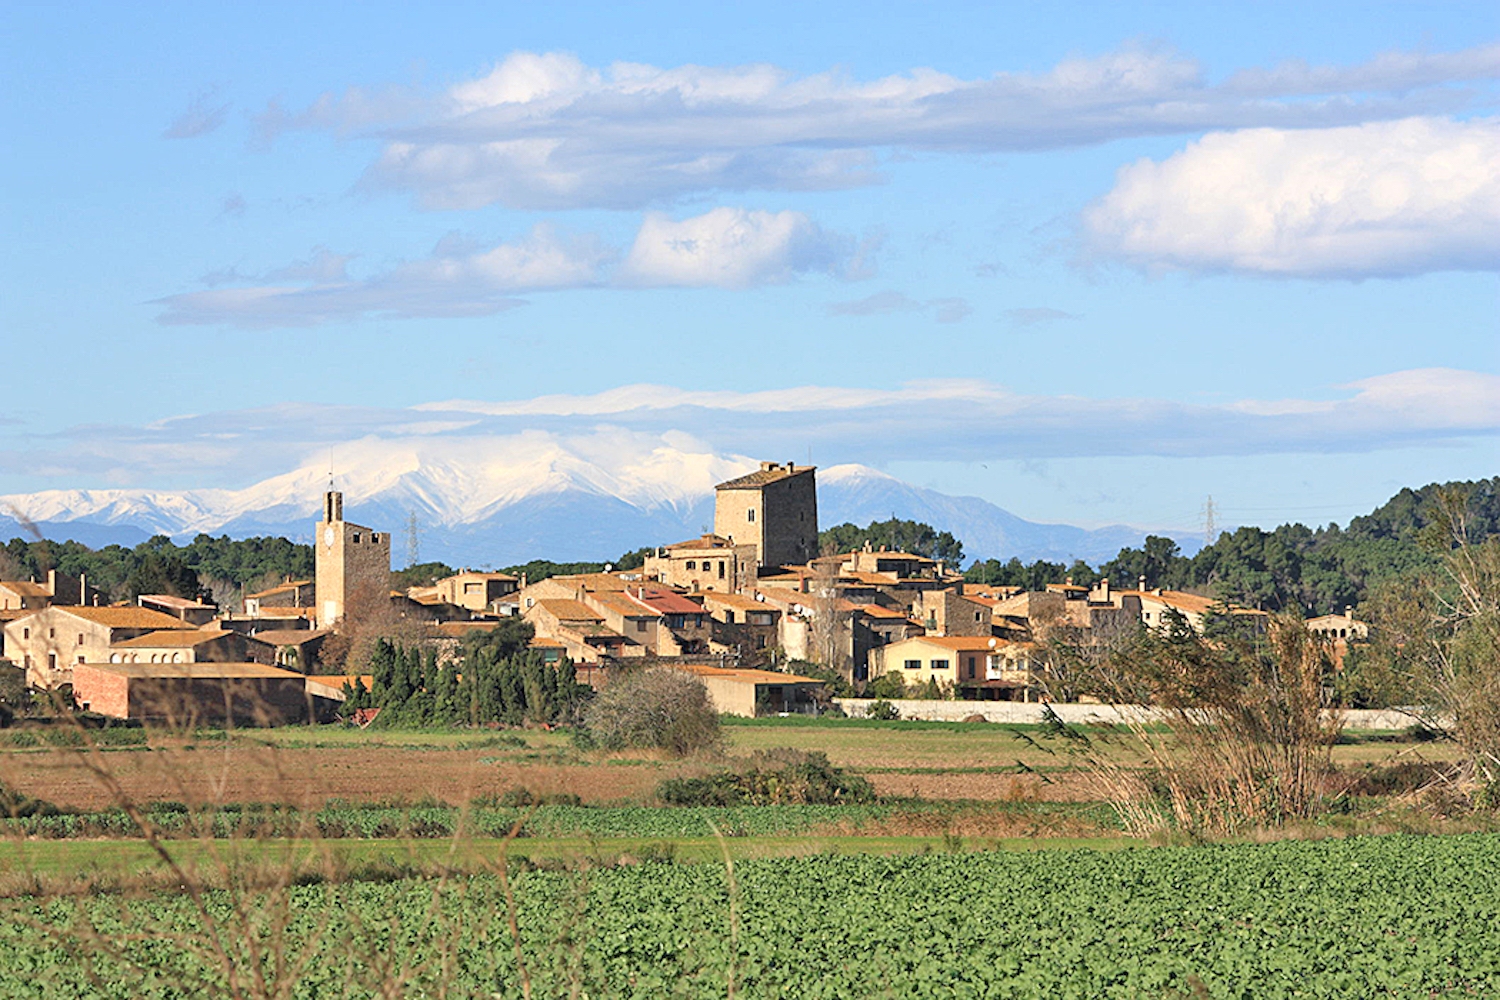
[
  {"x": 201, "y": 117},
  {"x": 931, "y": 421},
  {"x": 951, "y": 310},
  {"x": 730, "y": 248},
  {"x": 725, "y": 248},
  {"x": 1032, "y": 315},
  {"x": 548, "y": 131},
  {"x": 1380, "y": 199}
]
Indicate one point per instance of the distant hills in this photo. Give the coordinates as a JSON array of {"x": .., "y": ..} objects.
[{"x": 499, "y": 510}]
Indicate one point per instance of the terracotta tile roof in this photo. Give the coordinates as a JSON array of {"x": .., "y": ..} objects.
[
  {"x": 621, "y": 603},
  {"x": 457, "y": 630},
  {"x": 25, "y": 588},
  {"x": 167, "y": 600},
  {"x": 746, "y": 676},
  {"x": 737, "y": 601},
  {"x": 542, "y": 642},
  {"x": 192, "y": 671},
  {"x": 963, "y": 643},
  {"x": 667, "y": 602},
  {"x": 281, "y": 613},
  {"x": 126, "y": 617},
  {"x": 290, "y": 636},
  {"x": 763, "y": 477},
  {"x": 703, "y": 542},
  {"x": 174, "y": 639},
  {"x": 569, "y": 611},
  {"x": 281, "y": 588},
  {"x": 876, "y": 611}
]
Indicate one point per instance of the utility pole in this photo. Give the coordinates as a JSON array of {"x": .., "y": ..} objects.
[
  {"x": 1210, "y": 522},
  {"x": 413, "y": 540}
]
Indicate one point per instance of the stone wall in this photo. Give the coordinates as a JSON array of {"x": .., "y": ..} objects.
[{"x": 1016, "y": 712}]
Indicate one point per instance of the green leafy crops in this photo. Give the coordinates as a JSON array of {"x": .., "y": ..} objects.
[{"x": 1374, "y": 917}]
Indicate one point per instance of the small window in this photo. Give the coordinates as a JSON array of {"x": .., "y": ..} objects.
[
  {"x": 721, "y": 569},
  {"x": 971, "y": 668},
  {"x": 750, "y": 514},
  {"x": 356, "y": 538},
  {"x": 80, "y": 657},
  {"x": 692, "y": 564},
  {"x": 80, "y": 638},
  {"x": 939, "y": 665},
  {"x": 640, "y": 624},
  {"x": 913, "y": 664},
  {"x": 26, "y": 633},
  {"x": 375, "y": 538},
  {"x": 52, "y": 633}
]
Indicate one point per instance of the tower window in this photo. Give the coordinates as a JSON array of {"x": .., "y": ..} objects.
[
  {"x": 356, "y": 538},
  {"x": 750, "y": 514}
]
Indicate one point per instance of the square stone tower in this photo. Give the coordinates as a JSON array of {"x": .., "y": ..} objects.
[
  {"x": 353, "y": 565},
  {"x": 774, "y": 509}
]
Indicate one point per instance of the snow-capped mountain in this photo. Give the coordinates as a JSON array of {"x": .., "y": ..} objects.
[{"x": 503, "y": 500}]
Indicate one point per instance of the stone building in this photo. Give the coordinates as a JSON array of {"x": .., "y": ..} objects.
[
  {"x": 190, "y": 694},
  {"x": 472, "y": 591},
  {"x": 706, "y": 563},
  {"x": 48, "y": 643},
  {"x": 353, "y": 565},
  {"x": 775, "y": 509},
  {"x": 199, "y": 645},
  {"x": 58, "y": 588},
  {"x": 287, "y": 594}
]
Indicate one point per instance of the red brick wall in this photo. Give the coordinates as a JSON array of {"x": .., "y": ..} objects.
[{"x": 101, "y": 691}]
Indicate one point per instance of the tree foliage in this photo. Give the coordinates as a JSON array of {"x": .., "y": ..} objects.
[
  {"x": 495, "y": 678},
  {"x": 897, "y": 536},
  {"x": 654, "y": 708},
  {"x": 158, "y": 565}
]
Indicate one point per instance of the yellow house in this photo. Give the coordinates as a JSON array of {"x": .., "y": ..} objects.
[{"x": 971, "y": 666}]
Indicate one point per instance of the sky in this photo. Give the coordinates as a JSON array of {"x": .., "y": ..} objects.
[{"x": 1091, "y": 262}]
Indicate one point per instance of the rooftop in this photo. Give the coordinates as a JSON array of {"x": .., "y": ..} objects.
[
  {"x": 125, "y": 617},
  {"x": 290, "y": 636},
  {"x": 569, "y": 611},
  {"x": 26, "y": 588},
  {"x": 747, "y": 676},
  {"x": 281, "y": 588},
  {"x": 192, "y": 671},
  {"x": 171, "y": 601},
  {"x": 769, "y": 472},
  {"x": 175, "y": 639}
]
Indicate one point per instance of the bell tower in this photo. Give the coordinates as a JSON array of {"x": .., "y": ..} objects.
[{"x": 353, "y": 565}]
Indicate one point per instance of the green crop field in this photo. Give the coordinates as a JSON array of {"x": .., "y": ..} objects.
[{"x": 1364, "y": 917}]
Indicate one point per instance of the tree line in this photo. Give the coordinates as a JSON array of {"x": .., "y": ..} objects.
[
  {"x": 492, "y": 678},
  {"x": 1315, "y": 570}
]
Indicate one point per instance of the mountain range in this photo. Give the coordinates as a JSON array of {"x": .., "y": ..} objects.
[{"x": 496, "y": 507}]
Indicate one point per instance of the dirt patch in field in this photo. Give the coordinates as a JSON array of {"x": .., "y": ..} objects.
[
  {"x": 986, "y": 787},
  {"x": 309, "y": 778}
]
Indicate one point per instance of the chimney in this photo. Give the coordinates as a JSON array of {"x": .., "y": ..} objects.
[
  {"x": 523, "y": 579},
  {"x": 1104, "y": 589},
  {"x": 1349, "y": 612},
  {"x": 1141, "y": 586}
]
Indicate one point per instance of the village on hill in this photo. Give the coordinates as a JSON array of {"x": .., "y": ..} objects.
[{"x": 742, "y": 608}]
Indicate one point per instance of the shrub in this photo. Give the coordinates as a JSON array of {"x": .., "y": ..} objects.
[
  {"x": 882, "y": 710},
  {"x": 656, "y": 707},
  {"x": 772, "y": 779}
]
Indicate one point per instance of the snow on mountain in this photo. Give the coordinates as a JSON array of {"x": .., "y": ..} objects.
[{"x": 503, "y": 500}]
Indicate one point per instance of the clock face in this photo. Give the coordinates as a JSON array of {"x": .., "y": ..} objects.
[{"x": 328, "y": 536}]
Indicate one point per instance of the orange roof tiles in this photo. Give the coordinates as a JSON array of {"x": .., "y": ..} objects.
[
  {"x": 569, "y": 611},
  {"x": 125, "y": 617},
  {"x": 174, "y": 639}
]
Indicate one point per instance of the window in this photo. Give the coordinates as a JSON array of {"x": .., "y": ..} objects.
[
  {"x": 80, "y": 657},
  {"x": 721, "y": 569},
  {"x": 913, "y": 664},
  {"x": 356, "y": 538},
  {"x": 26, "y": 633},
  {"x": 51, "y": 661},
  {"x": 750, "y": 514},
  {"x": 52, "y": 633},
  {"x": 939, "y": 665},
  {"x": 375, "y": 538},
  {"x": 971, "y": 668},
  {"x": 80, "y": 638},
  {"x": 978, "y": 617},
  {"x": 692, "y": 564},
  {"x": 640, "y": 624}
]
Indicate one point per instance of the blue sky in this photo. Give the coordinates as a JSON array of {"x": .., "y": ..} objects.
[{"x": 1136, "y": 254}]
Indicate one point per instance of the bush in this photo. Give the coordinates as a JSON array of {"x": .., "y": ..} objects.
[
  {"x": 771, "y": 780},
  {"x": 883, "y": 710},
  {"x": 656, "y": 707}
]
